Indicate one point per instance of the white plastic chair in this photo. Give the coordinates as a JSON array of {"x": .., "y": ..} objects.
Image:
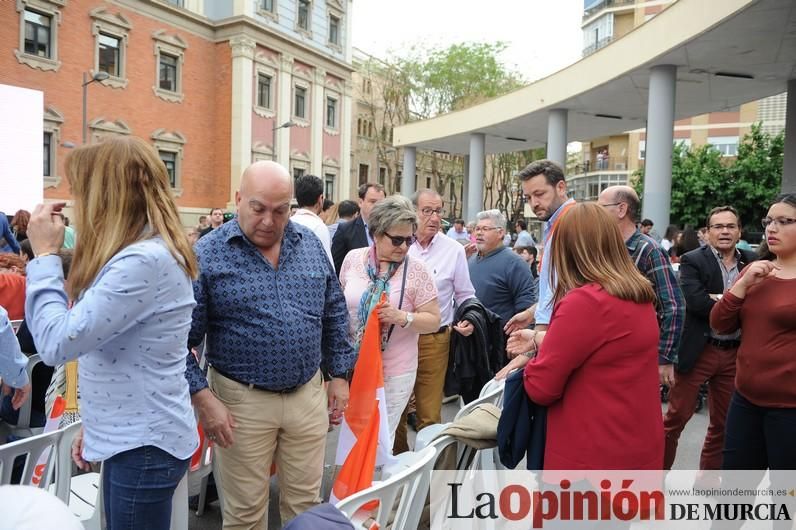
[
  {"x": 15, "y": 325},
  {"x": 199, "y": 476},
  {"x": 412, "y": 484},
  {"x": 493, "y": 395},
  {"x": 23, "y": 429},
  {"x": 32, "y": 449}
]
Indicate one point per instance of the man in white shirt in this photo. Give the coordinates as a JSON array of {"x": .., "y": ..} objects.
[
  {"x": 309, "y": 196},
  {"x": 446, "y": 261}
]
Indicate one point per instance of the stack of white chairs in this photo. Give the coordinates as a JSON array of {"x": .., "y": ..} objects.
[{"x": 408, "y": 487}]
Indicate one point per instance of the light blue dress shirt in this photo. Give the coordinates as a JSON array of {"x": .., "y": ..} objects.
[
  {"x": 544, "y": 308},
  {"x": 130, "y": 331},
  {"x": 12, "y": 360}
]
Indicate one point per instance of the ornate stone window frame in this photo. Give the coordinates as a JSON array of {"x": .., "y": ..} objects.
[
  {"x": 52, "y": 9},
  {"x": 52, "y": 124},
  {"x": 174, "y": 46},
  {"x": 172, "y": 142},
  {"x": 114, "y": 25},
  {"x": 299, "y": 82},
  {"x": 267, "y": 66},
  {"x": 329, "y": 94},
  {"x": 302, "y": 31},
  {"x": 300, "y": 160},
  {"x": 334, "y": 9},
  {"x": 272, "y": 14},
  {"x": 101, "y": 128},
  {"x": 262, "y": 151}
]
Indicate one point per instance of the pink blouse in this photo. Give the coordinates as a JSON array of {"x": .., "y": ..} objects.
[{"x": 400, "y": 357}]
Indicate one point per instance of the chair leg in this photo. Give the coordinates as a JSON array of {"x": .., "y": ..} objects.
[{"x": 200, "y": 509}]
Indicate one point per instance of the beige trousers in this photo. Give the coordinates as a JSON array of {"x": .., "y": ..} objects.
[{"x": 286, "y": 429}]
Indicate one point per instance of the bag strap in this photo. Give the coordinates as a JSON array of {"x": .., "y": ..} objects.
[{"x": 400, "y": 300}]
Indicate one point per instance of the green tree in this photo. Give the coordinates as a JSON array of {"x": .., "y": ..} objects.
[
  {"x": 703, "y": 179},
  {"x": 755, "y": 178}
]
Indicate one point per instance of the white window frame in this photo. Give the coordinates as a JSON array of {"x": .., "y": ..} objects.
[
  {"x": 262, "y": 151},
  {"x": 335, "y": 127},
  {"x": 337, "y": 14},
  {"x": 117, "y": 26},
  {"x": 642, "y": 149},
  {"x": 52, "y": 124},
  {"x": 52, "y": 9},
  {"x": 101, "y": 128},
  {"x": 301, "y": 120},
  {"x": 172, "y": 142},
  {"x": 175, "y": 46},
  {"x": 308, "y": 30},
  {"x": 721, "y": 143},
  {"x": 300, "y": 160}
]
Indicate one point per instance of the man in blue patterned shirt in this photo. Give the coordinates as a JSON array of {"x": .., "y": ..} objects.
[{"x": 271, "y": 307}]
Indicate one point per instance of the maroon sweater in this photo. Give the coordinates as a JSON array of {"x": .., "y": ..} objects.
[{"x": 766, "y": 365}]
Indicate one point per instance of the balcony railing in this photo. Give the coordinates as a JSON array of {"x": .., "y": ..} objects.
[
  {"x": 602, "y": 43},
  {"x": 609, "y": 163},
  {"x": 605, "y": 4}
]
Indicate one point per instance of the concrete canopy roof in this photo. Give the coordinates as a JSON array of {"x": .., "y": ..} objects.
[{"x": 728, "y": 52}]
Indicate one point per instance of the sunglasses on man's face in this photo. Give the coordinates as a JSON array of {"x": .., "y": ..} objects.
[{"x": 397, "y": 241}]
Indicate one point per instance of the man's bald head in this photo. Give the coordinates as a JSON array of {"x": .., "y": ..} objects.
[
  {"x": 266, "y": 174},
  {"x": 264, "y": 203},
  {"x": 622, "y": 195}
]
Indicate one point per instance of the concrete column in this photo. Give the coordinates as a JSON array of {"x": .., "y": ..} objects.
[
  {"x": 475, "y": 184},
  {"x": 318, "y": 122},
  {"x": 284, "y": 110},
  {"x": 241, "y": 111},
  {"x": 789, "y": 165},
  {"x": 343, "y": 188},
  {"x": 557, "y": 136},
  {"x": 409, "y": 175},
  {"x": 660, "y": 133}
]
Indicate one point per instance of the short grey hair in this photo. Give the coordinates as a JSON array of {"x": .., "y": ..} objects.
[
  {"x": 496, "y": 216},
  {"x": 392, "y": 211},
  {"x": 426, "y": 191}
]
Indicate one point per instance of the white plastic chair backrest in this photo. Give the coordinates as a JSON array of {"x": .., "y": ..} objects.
[
  {"x": 494, "y": 396},
  {"x": 63, "y": 469},
  {"x": 23, "y": 422},
  {"x": 15, "y": 325},
  {"x": 412, "y": 484},
  {"x": 31, "y": 448}
]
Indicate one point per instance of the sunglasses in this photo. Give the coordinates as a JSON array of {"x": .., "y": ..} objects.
[{"x": 397, "y": 241}]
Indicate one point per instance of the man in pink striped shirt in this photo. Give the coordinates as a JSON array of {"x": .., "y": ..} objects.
[{"x": 446, "y": 260}]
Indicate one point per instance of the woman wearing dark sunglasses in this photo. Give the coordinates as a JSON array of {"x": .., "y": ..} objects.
[
  {"x": 761, "y": 422},
  {"x": 412, "y": 308}
]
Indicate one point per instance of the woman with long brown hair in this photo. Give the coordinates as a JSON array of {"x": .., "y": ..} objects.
[
  {"x": 597, "y": 365},
  {"x": 131, "y": 283}
]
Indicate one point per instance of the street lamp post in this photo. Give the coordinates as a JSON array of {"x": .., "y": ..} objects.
[
  {"x": 99, "y": 76},
  {"x": 286, "y": 125}
]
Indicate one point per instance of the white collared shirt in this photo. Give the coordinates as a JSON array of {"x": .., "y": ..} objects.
[{"x": 311, "y": 220}]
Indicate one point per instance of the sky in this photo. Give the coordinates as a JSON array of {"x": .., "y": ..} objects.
[{"x": 543, "y": 36}]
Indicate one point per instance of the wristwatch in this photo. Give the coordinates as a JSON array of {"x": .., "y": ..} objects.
[{"x": 410, "y": 317}]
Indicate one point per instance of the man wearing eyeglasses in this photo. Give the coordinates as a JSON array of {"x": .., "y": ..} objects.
[
  {"x": 445, "y": 259},
  {"x": 502, "y": 280},
  {"x": 705, "y": 275}
]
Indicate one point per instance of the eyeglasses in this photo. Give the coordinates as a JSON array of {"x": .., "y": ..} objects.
[
  {"x": 397, "y": 241},
  {"x": 485, "y": 228},
  {"x": 427, "y": 212},
  {"x": 781, "y": 221},
  {"x": 724, "y": 227}
]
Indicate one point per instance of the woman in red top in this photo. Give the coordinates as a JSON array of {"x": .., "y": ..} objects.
[
  {"x": 12, "y": 285},
  {"x": 761, "y": 421},
  {"x": 597, "y": 367}
]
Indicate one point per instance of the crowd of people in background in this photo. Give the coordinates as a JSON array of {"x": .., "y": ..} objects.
[{"x": 267, "y": 307}]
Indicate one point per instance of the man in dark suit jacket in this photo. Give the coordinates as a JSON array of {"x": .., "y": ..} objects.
[
  {"x": 354, "y": 234},
  {"x": 705, "y": 274}
]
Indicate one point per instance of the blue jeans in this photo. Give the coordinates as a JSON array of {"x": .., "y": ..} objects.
[{"x": 138, "y": 485}]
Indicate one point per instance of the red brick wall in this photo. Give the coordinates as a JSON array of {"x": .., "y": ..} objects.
[{"x": 203, "y": 117}]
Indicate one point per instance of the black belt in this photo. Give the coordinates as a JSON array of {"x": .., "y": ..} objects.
[
  {"x": 442, "y": 329},
  {"x": 724, "y": 344},
  {"x": 258, "y": 387}
]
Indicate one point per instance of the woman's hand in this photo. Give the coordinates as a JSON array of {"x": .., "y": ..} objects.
[
  {"x": 390, "y": 315},
  {"x": 517, "y": 362},
  {"x": 755, "y": 273},
  {"x": 521, "y": 341},
  {"x": 46, "y": 228},
  {"x": 77, "y": 452}
]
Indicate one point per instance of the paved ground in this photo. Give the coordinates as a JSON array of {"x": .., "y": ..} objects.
[{"x": 687, "y": 458}]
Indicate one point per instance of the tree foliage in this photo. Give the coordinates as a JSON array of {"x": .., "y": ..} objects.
[
  {"x": 423, "y": 83},
  {"x": 702, "y": 179}
]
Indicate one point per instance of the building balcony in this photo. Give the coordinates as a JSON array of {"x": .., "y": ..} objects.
[
  {"x": 602, "y": 43},
  {"x": 601, "y": 164},
  {"x": 606, "y": 4}
]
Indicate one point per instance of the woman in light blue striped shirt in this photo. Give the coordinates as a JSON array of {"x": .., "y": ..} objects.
[{"x": 131, "y": 282}]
